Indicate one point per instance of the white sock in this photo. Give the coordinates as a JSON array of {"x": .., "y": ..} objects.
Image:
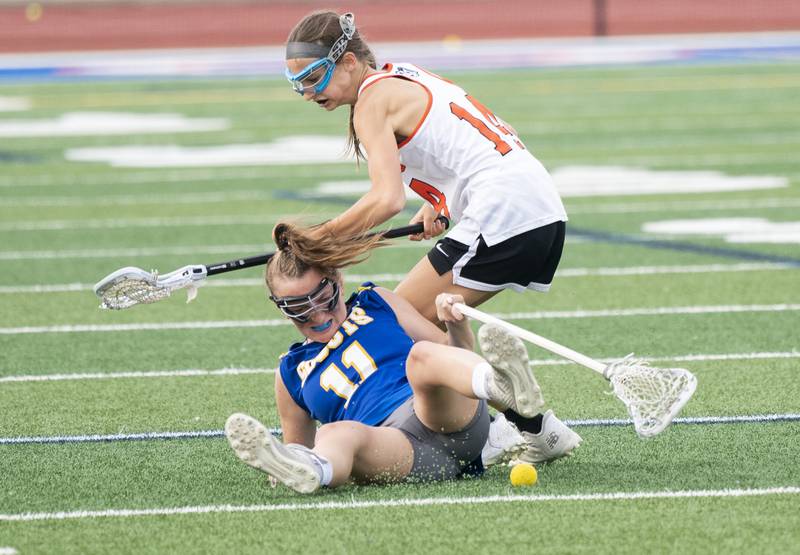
[
  {"x": 321, "y": 465},
  {"x": 325, "y": 469},
  {"x": 480, "y": 380}
]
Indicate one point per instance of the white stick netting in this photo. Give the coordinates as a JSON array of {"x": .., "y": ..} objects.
[
  {"x": 130, "y": 286},
  {"x": 129, "y": 292},
  {"x": 654, "y": 396}
]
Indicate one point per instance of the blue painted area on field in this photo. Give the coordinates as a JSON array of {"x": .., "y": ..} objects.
[
  {"x": 25, "y": 73},
  {"x": 268, "y": 61},
  {"x": 747, "y": 54},
  {"x": 680, "y": 246}
]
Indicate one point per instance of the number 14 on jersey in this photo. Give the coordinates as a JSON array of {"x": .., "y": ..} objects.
[{"x": 490, "y": 126}]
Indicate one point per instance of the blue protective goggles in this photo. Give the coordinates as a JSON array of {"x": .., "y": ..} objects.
[{"x": 314, "y": 78}]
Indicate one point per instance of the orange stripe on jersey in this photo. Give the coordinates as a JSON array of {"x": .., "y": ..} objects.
[
  {"x": 371, "y": 80},
  {"x": 422, "y": 119},
  {"x": 385, "y": 71}
]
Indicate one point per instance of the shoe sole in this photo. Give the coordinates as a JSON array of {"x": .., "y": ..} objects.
[
  {"x": 502, "y": 350},
  {"x": 505, "y": 352},
  {"x": 254, "y": 445}
]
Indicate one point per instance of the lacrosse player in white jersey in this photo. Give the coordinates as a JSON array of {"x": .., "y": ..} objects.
[{"x": 421, "y": 131}]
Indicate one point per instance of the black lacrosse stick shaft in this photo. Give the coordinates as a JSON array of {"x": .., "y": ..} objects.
[{"x": 261, "y": 259}]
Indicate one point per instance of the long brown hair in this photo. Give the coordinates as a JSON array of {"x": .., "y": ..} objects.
[
  {"x": 322, "y": 27},
  {"x": 297, "y": 253}
]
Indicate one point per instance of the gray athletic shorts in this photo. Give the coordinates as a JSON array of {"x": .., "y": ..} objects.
[{"x": 440, "y": 456}]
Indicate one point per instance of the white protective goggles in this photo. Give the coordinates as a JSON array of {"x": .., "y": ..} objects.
[
  {"x": 324, "y": 297},
  {"x": 314, "y": 78}
]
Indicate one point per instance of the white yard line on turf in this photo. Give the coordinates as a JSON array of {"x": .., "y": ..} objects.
[
  {"x": 141, "y": 199},
  {"x": 199, "y": 434},
  {"x": 227, "y": 250},
  {"x": 704, "y": 205},
  {"x": 121, "y": 178},
  {"x": 8, "y": 551},
  {"x": 192, "y": 372},
  {"x": 395, "y": 503},
  {"x": 541, "y": 315},
  {"x": 117, "y": 223},
  {"x": 246, "y": 195},
  {"x": 380, "y": 278},
  {"x": 746, "y": 419},
  {"x": 742, "y": 158}
]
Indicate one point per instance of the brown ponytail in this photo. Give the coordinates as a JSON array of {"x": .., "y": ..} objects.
[{"x": 298, "y": 252}]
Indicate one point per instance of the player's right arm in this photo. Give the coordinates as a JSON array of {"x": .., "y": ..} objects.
[
  {"x": 386, "y": 197},
  {"x": 297, "y": 424},
  {"x": 419, "y": 328},
  {"x": 459, "y": 334}
]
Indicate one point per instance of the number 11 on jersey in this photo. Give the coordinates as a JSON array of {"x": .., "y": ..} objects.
[{"x": 333, "y": 379}]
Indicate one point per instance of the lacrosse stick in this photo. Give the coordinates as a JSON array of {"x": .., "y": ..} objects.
[
  {"x": 130, "y": 286},
  {"x": 653, "y": 396}
]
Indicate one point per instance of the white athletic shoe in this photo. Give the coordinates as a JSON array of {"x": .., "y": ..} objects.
[
  {"x": 296, "y": 466},
  {"x": 554, "y": 441},
  {"x": 504, "y": 442},
  {"x": 512, "y": 384}
]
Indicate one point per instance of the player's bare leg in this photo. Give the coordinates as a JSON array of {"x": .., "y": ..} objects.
[
  {"x": 343, "y": 450},
  {"x": 420, "y": 288},
  {"x": 422, "y": 284},
  {"x": 364, "y": 453}
]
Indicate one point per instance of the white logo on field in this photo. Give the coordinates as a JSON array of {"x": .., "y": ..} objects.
[
  {"x": 733, "y": 230},
  {"x": 294, "y": 150},
  {"x": 14, "y": 104},
  {"x": 585, "y": 181},
  {"x": 108, "y": 123}
]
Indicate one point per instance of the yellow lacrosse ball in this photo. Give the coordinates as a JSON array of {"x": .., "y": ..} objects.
[{"x": 523, "y": 474}]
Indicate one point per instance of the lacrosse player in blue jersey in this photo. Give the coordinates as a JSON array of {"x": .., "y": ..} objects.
[{"x": 397, "y": 397}]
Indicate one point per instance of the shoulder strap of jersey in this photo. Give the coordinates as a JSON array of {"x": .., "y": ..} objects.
[{"x": 388, "y": 70}]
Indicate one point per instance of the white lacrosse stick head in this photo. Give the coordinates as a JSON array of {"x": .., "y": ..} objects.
[
  {"x": 653, "y": 396},
  {"x": 130, "y": 286}
]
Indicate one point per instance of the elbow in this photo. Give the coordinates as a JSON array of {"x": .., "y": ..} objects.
[
  {"x": 396, "y": 203},
  {"x": 384, "y": 204}
]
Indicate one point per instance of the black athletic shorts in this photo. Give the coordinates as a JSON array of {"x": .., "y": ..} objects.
[{"x": 525, "y": 261}]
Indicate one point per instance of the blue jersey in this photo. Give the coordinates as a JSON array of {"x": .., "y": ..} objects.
[{"x": 360, "y": 374}]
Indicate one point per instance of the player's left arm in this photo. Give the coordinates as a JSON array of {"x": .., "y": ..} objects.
[{"x": 419, "y": 328}]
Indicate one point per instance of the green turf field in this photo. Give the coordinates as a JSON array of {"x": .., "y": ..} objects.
[{"x": 728, "y": 311}]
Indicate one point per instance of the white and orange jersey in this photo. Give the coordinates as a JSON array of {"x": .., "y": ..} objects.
[{"x": 470, "y": 165}]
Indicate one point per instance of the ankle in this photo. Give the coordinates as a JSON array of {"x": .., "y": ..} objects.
[
  {"x": 322, "y": 466},
  {"x": 481, "y": 375},
  {"x": 531, "y": 425}
]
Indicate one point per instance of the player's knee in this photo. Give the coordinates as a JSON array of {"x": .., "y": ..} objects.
[
  {"x": 344, "y": 431},
  {"x": 418, "y": 362}
]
